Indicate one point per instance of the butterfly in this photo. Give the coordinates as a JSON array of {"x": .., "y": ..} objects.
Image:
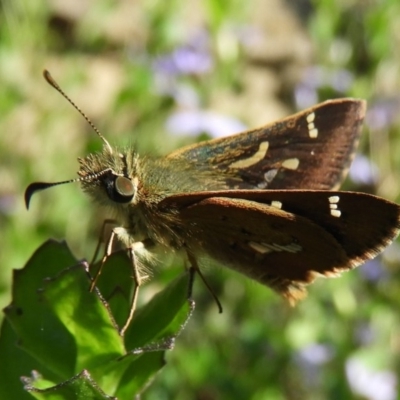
[{"x": 264, "y": 202}]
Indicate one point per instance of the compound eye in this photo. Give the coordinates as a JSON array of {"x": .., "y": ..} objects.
[
  {"x": 119, "y": 188},
  {"x": 124, "y": 187}
]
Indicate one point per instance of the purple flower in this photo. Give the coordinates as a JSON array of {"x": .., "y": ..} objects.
[
  {"x": 184, "y": 61},
  {"x": 317, "y": 77},
  {"x": 8, "y": 204},
  {"x": 305, "y": 96},
  {"x": 363, "y": 171},
  {"x": 373, "y": 385},
  {"x": 249, "y": 36},
  {"x": 381, "y": 114},
  {"x": 195, "y": 122},
  {"x": 310, "y": 359},
  {"x": 193, "y": 58},
  {"x": 314, "y": 78},
  {"x": 373, "y": 270},
  {"x": 341, "y": 80},
  {"x": 315, "y": 354}
]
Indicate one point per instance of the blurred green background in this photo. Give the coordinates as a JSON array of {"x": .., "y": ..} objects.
[{"x": 159, "y": 75}]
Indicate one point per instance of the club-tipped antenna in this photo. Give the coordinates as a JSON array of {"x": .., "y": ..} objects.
[
  {"x": 36, "y": 186},
  {"x": 50, "y": 80}
]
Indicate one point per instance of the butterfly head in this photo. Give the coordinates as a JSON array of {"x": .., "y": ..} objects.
[{"x": 108, "y": 177}]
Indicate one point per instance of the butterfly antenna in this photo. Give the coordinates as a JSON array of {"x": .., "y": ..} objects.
[
  {"x": 50, "y": 80},
  {"x": 37, "y": 186}
]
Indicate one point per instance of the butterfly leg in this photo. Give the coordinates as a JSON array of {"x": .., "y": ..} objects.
[
  {"x": 101, "y": 240},
  {"x": 138, "y": 282},
  {"x": 109, "y": 247},
  {"x": 137, "y": 277},
  {"x": 194, "y": 268}
]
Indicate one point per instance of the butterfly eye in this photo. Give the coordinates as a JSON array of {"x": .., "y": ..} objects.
[
  {"x": 124, "y": 187},
  {"x": 120, "y": 189}
]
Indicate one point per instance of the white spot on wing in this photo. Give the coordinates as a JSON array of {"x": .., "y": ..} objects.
[
  {"x": 293, "y": 248},
  {"x": 313, "y": 133},
  {"x": 254, "y": 159},
  {"x": 333, "y": 205},
  {"x": 270, "y": 175},
  {"x": 291, "y": 163},
  {"x": 312, "y": 130},
  {"x": 259, "y": 248},
  {"x": 311, "y": 117},
  {"x": 276, "y": 204},
  {"x": 264, "y": 248},
  {"x": 336, "y": 213}
]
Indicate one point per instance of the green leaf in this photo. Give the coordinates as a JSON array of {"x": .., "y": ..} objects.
[
  {"x": 115, "y": 284},
  {"x": 15, "y": 363},
  {"x": 140, "y": 372},
  {"x": 69, "y": 335},
  {"x": 163, "y": 317},
  {"x": 85, "y": 316},
  {"x": 80, "y": 387},
  {"x": 39, "y": 331}
]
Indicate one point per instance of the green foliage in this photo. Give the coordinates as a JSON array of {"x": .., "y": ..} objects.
[
  {"x": 69, "y": 337},
  {"x": 104, "y": 57}
]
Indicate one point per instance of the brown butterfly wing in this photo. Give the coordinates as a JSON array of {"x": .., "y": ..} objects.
[
  {"x": 312, "y": 149},
  {"x": 284, "y": 239},
  {"x": 269, "y": 245}
]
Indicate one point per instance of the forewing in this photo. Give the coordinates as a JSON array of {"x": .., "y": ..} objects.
[{"x": 312, "y": 149}]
